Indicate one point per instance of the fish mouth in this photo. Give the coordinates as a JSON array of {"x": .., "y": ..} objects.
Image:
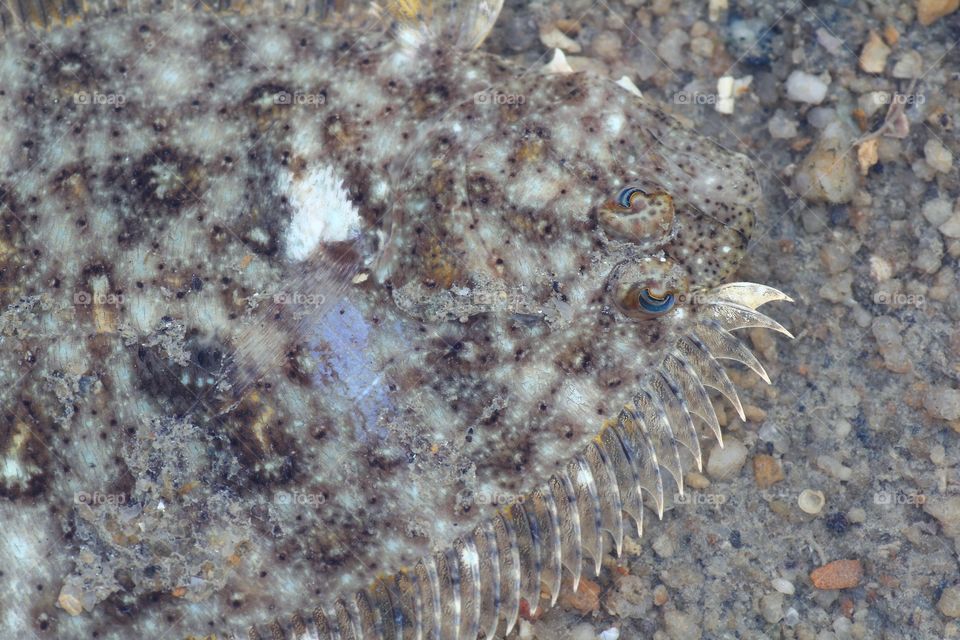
[{"x": 476, "y": 585}]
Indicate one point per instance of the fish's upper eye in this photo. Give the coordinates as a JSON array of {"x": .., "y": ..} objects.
[
  {"x": 626, "y": 195},
  {"x": 638, "y": 216}
]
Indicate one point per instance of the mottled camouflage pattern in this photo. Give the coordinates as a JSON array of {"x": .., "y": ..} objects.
[{"x": 279, "y": 431}]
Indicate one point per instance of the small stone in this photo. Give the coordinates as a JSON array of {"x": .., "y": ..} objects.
[
  {"x": 811, "y": 501},
  {"x": 663, "y": 546},
  {"x": 771, "y": 607},
  {"x": 726, "y": 462},
  {"x": 754, "y": 413},
  {"x": 553, "y": 38},
  {"x": 660, "y": 595},
  {"x": 937, "y": 211},
  {"x": 896, "y": 357},
  {"x": 606, "y": 45},
  {"x": 783, "y": 586},
  {"x": 929, "y": 11},
  {"x": 839, "y": 574},
  {"x": 70, "y": 599},
  {"x": 946, "y": 509},
  {"x": 937, "y": 155},
  {"x": 857, "y": 515},
  {"x": 834, "y": 468},
  {"x": 670, "y": 48},
  {"x": 909, "y": 66},
  {"x": 951, "y": 228},
  {"x": 586, "y": 599},
  {"x": 880, "y": 269},
  {"x": 806, "y": 87},
  {"x": 867, "y": 154},
  {"x": 702, "y": 47},
  {"x": 835, "y": 257},
  {"x": 873, "y": 57},
  {"x": 681, "y": 626},
  {"x": 766, "y": 471},
  {"x": 780, "y": 126},
  {"x": 630, "y": 599},
  {"x": 696, "y": 480},
  {"x": 949, "y": 603},
  {"x": 828, "y": 173},
  {"x": 942, "y": 403}
]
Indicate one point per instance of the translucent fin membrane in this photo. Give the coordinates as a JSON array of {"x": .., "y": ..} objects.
[{"x": 475, "y": 586}]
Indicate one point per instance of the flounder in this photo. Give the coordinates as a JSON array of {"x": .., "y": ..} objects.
[{"x": 321, "y": 324}]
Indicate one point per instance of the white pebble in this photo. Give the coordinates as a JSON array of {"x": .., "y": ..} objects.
[
  {"x": 726, "y": 462},
  {"x": 806, "y": 87},
  {"x": 610, "y": 634},
  {"x": 811, "y": 501},
  {"x": 783, "y": 586},
  {"x": 938, "y": 156}
]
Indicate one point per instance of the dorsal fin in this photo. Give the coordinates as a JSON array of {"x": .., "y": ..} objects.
[
  {"x": 20, "y": 15},
  {"x": 459, "y": 24}
]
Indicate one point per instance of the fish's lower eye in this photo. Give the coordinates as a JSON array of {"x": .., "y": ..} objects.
[{"x": 654, "y": 304}]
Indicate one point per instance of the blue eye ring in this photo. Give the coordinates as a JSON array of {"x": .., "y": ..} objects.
[
  {"x": 625, "y": 197},
  {"x": 654, "y": 304}
]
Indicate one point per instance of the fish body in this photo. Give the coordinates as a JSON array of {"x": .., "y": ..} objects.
[{"x": 291, "y": 305}]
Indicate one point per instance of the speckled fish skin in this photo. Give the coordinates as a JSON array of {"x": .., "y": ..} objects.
[{"x": 270, "y": 419}]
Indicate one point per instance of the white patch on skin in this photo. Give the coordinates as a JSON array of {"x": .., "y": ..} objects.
[{"x": 322, "y": 211}]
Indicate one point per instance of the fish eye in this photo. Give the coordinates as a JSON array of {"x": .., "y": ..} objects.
[
  {"x": 641, "y": 301},
  {"x": 647, "y": 288},
  {"x": 626, "y": 196},
  {"x": 638, "y": 215}
]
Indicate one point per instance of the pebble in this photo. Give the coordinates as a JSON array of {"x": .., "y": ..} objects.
[
  {"x": 607, "y": 45},
  {"x": 937, "y": 155},
  {"x": 663, "y": 546},
  {"x": 946, "y": 509},
  {"x": 660, "y": 595},
  {"x": 553, "y": 38},
  {"x": 70, "y": 600},
  {"x": 829, "y": 172},
  {"x": 696, "y": 480},
  {"x": 583, "y": 631},
  {"x": 942, "y": 403},
  {"x": 909, "y": 66},
  {"x": 949, "y": 603},
  {"x": 873, "y": 57},
  {"x": 839, "y": 574},
  {"x": 811, "y": 501},
  {"x": 834, "y": 468},
  {"x": 857, "y": 515},
  {"x": 806, "y": 87},
  {"x": 586, "y": 599},
  {"x": 792, "y": 617},
  {"x": 771, "y": 607},
  {"x": 670, "y": 48},
  {"x": 766, "y": 471},
  {"x": 630, "y": 599},
  {"x": 896, "y": 357},
  {"x": 681, "y": 626},
  {"x": 780, "y": 126},
  {"x": 929, "y": 11},
  {"x": 951, "y": 228},
  {"x": 783, "y": 586},
  {"x": 726, "y": 462},
  {"x": 937, "y": 211}
]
